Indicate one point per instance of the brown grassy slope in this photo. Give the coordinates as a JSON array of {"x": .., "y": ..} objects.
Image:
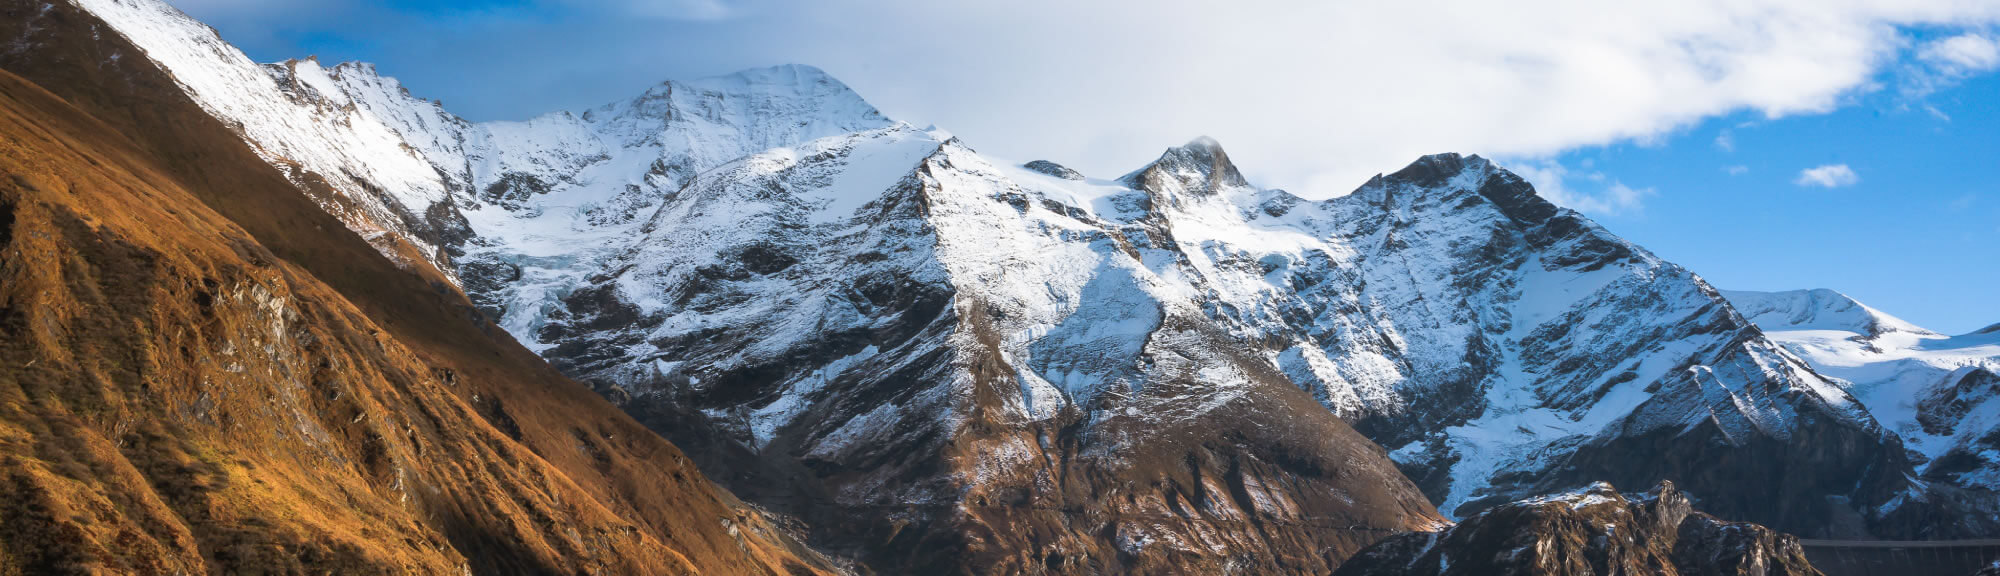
[
  {"x": 182, "y": 389},
  {"x": 174, "y": 396}
]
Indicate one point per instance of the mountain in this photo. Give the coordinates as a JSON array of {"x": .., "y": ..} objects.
[
  {"x": 1494, "y": 339},
  {"x": 1278, "y": 496},
  {"x": 1934, "y": 391},
  {"x": 859, "y": 324},
  {"x": 1591, "y": 531},
  {"x": 946, "y": 362},
  {"x": 204, "y": 371},
  {"x": 924, "y": 458}
]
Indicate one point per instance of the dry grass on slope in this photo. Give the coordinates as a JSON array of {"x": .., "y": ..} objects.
[{"x": 178, "y": 397}]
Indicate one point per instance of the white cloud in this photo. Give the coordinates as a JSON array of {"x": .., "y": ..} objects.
[
  {"x": 1551, "y": 180},
  {"x": 1333, "y": 92},
  {"x": 1828, "y": 176},
  {"x": 1726, "y": 141},
  {"x": 1963, "y": 54},
  {"x": 1943, "y": 63},
  {"x": 1310, "y": 96},
  {"x": 1737, "y": 170}
]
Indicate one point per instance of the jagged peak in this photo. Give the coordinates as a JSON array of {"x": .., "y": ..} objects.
[
  {"x": 785, "y": 80},
  {"x": 307, "y": 78},
  {"x": 1450, "y": 172},
  {"x": 1199, "y": 167},
  {"x": 357, "y": 67},
  {"x": 1204, "y": 143},
  {"x": 337, "y": 82},
  {"x": 1435, "y": 170},
  {"x": 312, "y": 61},
  {"x": 779, "y": 75},
  {"x": 1048, "y": 168},
  {"x": 792, "y": 94},
  {"x": 1430, "y": 171}
]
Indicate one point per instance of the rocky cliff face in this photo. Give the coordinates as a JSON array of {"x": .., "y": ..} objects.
[
  {"x": 206, "y": 372},
  {"x": 1592, "y": 531},
  {"x": 1934, "y": 391},
  {"x": 844, "y": 321},
  {"x": 1541, "y": 351}
]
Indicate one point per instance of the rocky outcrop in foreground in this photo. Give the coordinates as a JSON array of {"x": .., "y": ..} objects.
[{"x": 1591, "y": 531}]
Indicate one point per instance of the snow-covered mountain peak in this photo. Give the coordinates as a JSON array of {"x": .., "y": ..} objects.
[
  {"x": 1442, "y": 183},
  {"x": 1436, "y": 170},
  {"x": 1937, "y": 392},
  {"x": 362, "y": 167},
  {"x": 1435, "y": 173},
  {"x": 761, "y": 108},
  {"x": 798, "y": 76},
  {"x": 1200, "y": 167},
  {"x": 1818, "y": 309}
]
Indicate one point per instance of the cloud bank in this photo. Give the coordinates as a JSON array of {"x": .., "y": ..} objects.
[{"x": 1310, "y": 96}]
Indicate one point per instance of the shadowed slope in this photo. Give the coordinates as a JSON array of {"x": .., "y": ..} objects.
[{"x": 1594, "y": 531}]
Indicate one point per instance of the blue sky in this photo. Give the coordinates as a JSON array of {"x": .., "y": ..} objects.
[
  {"x": 1686, "y": 128},
  {"x": 1917, "y": 236}
]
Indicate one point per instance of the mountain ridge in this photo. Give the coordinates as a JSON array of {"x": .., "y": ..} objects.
[
  {"x": 1184, "y": 192},
  {"x": 1818, "y": 309},
  {"x": 877, "y": 328},
  {"x": 1594, "y": 530},
  {"x": 1932, "y": 390}
]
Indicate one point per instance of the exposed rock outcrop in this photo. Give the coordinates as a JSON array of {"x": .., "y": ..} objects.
[
  {"x": 1053, "y": 169},
  {"x": 1595, "y": 531},
  {"x": 1937, "y": 393}
]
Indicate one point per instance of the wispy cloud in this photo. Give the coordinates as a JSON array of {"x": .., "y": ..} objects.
[
  {"x": 1737, "y": 170},
  {"x": 1828, "y": 176},
  {"x": 1552, "y": 181},
  {"x": 1963, "y": 54},
  {"x": 1943, "y": 63}
]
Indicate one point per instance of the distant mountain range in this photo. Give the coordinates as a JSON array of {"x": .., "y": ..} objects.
[{"x": 944, "y": 362}]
